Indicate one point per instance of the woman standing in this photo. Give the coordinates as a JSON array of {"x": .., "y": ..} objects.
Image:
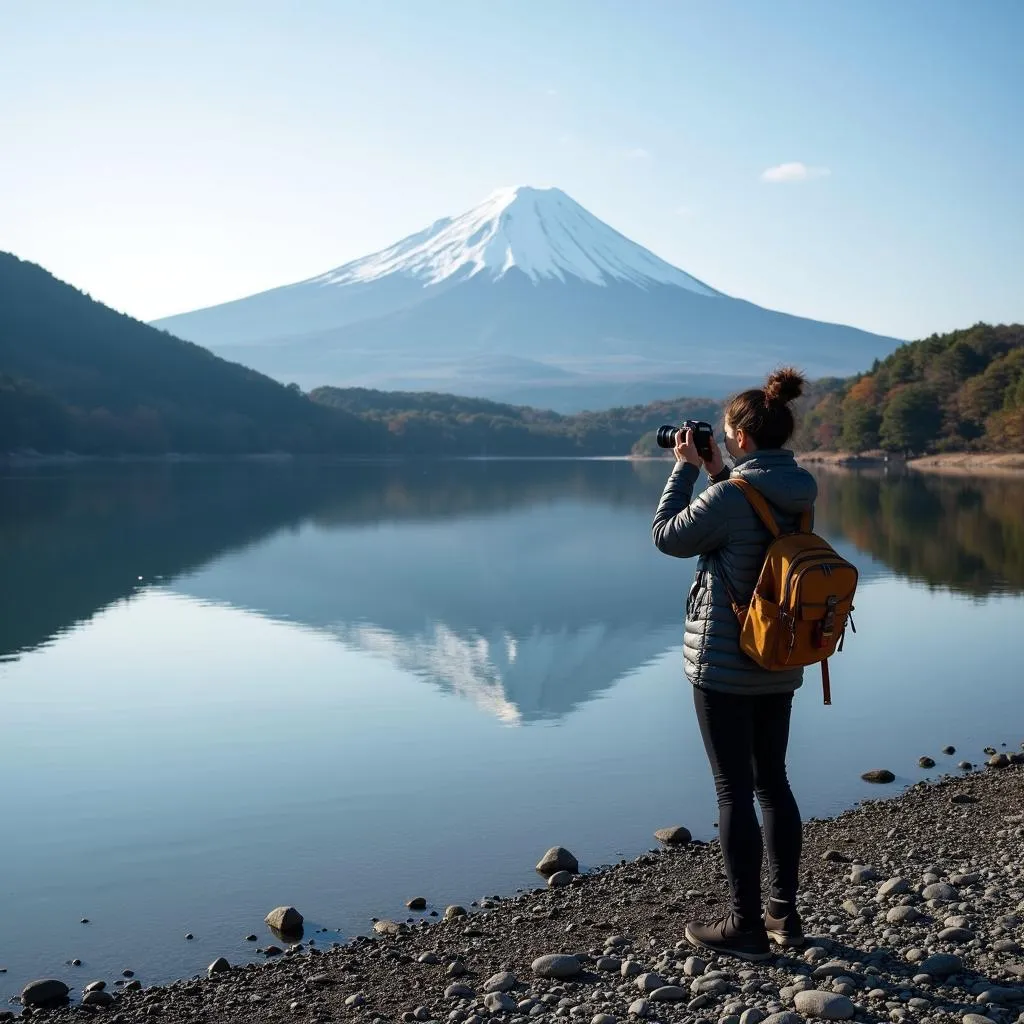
[{"x": 743, "y": 710}]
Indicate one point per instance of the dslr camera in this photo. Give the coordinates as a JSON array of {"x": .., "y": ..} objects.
[{"x": 702, "y": 434}]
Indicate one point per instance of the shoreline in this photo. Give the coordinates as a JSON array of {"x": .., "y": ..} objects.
[{"x": 913, "y": 904}]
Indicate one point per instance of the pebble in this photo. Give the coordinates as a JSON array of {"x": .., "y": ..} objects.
[
  {"x": 784, "y": 1017},
  {"x": 503, "y": 981},
  {"x": 903, "y": 915},
  {"x": 956, "y": 935},
  {"x": 694, "y": 966},
  {"x": 219, "y": 966},
  {"x": 674, "y": 835},
  {"x": 602, "y": 1018},
  {"x": 639, "y": 1008},
  {"x": 496, "y": 1002},
  {"x": 861, "y": 873},
  {"x": 826, "y": 1005},
  {"x": 669, "y": 994},
  {"x": 428, "y": 958},
  {"x": 459, "y": 991},
  {"x": 556, "y": 965},
  {"x": 940, "y": 891}
]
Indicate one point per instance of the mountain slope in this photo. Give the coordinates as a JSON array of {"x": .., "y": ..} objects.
[
  {"x": 80, "y": 375},
  {"x": 529, "y": 273}
]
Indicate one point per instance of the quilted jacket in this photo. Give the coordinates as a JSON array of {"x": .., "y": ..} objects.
[{"x": 722, "y": 529}]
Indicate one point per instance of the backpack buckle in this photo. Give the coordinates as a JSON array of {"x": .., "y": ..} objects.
[{"x": 828, "y": 625}]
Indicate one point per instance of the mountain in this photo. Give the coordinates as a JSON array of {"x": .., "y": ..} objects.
[
  {"x": 962, "y": 391},
  {"x": 530, "y": 298},
  {"x": 77, "y": 375}
]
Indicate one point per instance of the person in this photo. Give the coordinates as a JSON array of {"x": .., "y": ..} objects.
[{"x": 743, "y": 710}]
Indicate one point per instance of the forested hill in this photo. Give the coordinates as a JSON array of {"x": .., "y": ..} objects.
[
  {"x": 427, "y": 422},
  {"x": 77, "y": 376},
  {"x": 950, "y": 392}
]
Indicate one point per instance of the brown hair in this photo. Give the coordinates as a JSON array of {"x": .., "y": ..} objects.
[{"x": 764, "y": 413}]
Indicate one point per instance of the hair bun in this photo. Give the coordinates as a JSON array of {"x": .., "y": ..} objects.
[{"x": 784, "y": 385}]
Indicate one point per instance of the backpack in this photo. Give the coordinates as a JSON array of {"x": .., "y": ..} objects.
[{"x": 803, "y": 599}]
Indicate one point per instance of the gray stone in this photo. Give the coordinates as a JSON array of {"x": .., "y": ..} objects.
[
  {"x": 454, "y": 911},
  {"x": 941, "y": 965},
  {"x": 785, "y": 1017},
  {"x": 639, "y": 1008},
  {"x": 417, "y": 903},
  {"x": 44, "y": 992},
  {"x": 669, "y": 994},
  {"x": 649, "y": 982},
  {"x": 998, "y": 761},
  {"x": 674, "y": 835},
  {"x": 902, "y": 915},
  {"x": 602, "y": 1018},
  {"x": 752, "y": 1016},
  {"x": 357, "y": 999},
  {"x": 833, "y": 969},
  {"x": 97, "y": 997},
  {"x": 881, "y": 775},
  {"x": 976, "y": 1018},
  {"x": 386, "y": 927},
  {"x": 861, "y": 873},
  {"x": 503, "y": 981},
  {"x": 95, "y": 986},
  {"x": 956, "y": 935},
  {"x": 456, "y": 990},
  {"x": 219, "y": 966},
  {"x": 428, "y": 958},
  {"x": 940, "y": 891},
  {"x": 1006, "y": 946},
  {"x": 286, "y": 920},
  {"x": 558, "y": 858},
  {"x": 499, "y": 1002},
  {"x": 630, "y": 969},
  {"x": 694, "y": 966},
  {"x": 560, "y": 879},
  {"x": 893, "y": 887},
  {"x": 826, "y": 1005},
  {"x": 1000, "y": 994},
  {"x": 609, "y": 964},
  {"x": 556, "y": 965}
]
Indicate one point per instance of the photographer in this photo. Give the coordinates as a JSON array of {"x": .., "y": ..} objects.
[{"x": 743, "y": 710}]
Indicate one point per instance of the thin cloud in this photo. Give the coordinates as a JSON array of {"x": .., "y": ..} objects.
[{"x": 783, "y": 174}]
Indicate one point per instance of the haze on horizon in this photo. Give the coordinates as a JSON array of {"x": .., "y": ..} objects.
[{"x": 860, "y": 164}]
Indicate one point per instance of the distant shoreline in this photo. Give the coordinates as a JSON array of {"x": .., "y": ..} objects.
[{"x": 951, "y": 463}]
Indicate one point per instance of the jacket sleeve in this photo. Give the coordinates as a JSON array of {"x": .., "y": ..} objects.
[{"x": 684, "y": 527}]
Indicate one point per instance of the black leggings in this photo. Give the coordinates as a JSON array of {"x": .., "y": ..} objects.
[{"x": 746, "y": 739}]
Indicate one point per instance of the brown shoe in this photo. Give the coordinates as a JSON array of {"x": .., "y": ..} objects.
[
  {"x": 784, "y": 931},
  {"x": 726, "y": 936}
]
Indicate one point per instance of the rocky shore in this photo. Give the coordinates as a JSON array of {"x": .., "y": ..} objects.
[{"x": 914, "y": 909}]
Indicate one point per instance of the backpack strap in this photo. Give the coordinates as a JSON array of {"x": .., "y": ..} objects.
[
  {"x": 826, "y": 683},
  {"x": 758, "y": 503}
]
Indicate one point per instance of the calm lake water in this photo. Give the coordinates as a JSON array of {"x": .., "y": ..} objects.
[{"x": 228, "y": 687}]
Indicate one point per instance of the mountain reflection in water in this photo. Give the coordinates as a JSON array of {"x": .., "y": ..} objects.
[{"x": 529, "y": 587}]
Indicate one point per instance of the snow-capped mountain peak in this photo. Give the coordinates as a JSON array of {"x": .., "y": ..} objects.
[{"x": 541, "y": 232}]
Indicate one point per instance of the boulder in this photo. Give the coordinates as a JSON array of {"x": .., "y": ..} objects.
[
  {"x": 46, "y": 992},
  {"x": 219, "y": 966},
  {"x": 556, "y": 965},
  {"x": 880, "y": 775},
  {"x": 558, "y": 858},
  {"x": 286, "y": 920},
  {"x": 674, "y": 835}
]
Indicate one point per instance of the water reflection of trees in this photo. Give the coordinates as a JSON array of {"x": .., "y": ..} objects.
[{"x": 950, "y": 531}]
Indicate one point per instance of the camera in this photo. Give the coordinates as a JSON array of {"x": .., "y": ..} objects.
[{"x": 702, "y": 434}]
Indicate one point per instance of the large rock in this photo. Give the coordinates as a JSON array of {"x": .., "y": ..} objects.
[
  {"x": 499, "y": 1002},
  {"x": 97, "y": 997},
  {"x": 286, "y": 920},
  {"x": 941, "y": 965},
  {"x": 558, "y": 858},
  {"x": 454, "y": 911},
  {"x": 669, "y": 994},
  {"x": 649, "y": 981},
  {"x": 503, "y": 981},
  {"x": 825, "y": 1005},
  {"x": 881, "y": 775},
  {"x": 219, "y": 966},
  {"x": 45, "y": 992},
  {"x": 674, "y": 835},
  {"x": 387, "y": 927},
  {"x": 560, "y": 879},
  {"x": 940, "y": 891},
  {"x": 556, "y": 965}
]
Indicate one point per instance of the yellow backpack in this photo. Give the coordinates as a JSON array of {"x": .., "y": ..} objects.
[{"x": 803, "y": 599}]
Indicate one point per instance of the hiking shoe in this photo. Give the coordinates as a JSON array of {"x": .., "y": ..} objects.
[
  {"x": 784, "y": 931},
  {"x": 726, "y": 936}
]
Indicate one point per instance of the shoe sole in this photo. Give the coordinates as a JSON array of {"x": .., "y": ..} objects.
[
  {"x": 786, "y": 941},
  {"x": 739, "y": 954}
]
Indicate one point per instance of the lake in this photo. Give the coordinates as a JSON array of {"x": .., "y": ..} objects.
[{"x": 231, "y": 686}]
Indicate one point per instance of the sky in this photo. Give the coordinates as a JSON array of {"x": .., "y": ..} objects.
[{"x": 859, "y": 162}]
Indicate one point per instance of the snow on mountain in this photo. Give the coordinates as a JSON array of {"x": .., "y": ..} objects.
[
  {"x": 528, "y": 298},
  {"x": 541, "y": 232}
]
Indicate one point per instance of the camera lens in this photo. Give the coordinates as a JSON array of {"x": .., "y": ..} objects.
[{"x": 666, "y": 436}]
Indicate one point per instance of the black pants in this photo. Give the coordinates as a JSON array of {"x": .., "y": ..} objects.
[{"x": 746, "y": 739}]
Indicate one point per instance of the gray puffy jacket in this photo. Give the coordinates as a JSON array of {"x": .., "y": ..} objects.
[{"x": 720, "y": 526}]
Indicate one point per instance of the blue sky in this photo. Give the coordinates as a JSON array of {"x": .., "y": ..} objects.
[{"x": 166, "y": 156}]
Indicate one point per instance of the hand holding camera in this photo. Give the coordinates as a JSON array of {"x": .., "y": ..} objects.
[{"x": 693, "y": 442}]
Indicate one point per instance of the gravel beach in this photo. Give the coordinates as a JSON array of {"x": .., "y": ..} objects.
[{"x": 913, "y": 906}]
